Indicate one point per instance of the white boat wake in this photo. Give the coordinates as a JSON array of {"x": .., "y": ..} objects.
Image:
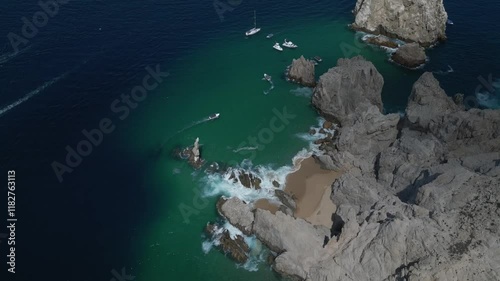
[
  {"x": 270, "y": 89},
  {"x": 245, "y": 148},
  {"x": 32, "y": 94},
  {"x": 8, "y": 56}
]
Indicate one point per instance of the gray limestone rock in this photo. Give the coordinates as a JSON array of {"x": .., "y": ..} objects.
[
  {"x": 302, "y": 72},
  {"x": 421, "y": 21}
]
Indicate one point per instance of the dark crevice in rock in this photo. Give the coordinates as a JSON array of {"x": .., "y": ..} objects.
[
  {"x": 400, "y": 274},
  {"x": 408, "y": 194},
  {"x": 376, "y": 168},
  {"x": 338, "y": 224}
]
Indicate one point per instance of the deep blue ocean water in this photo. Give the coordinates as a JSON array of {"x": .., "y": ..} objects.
[{"x": 83, "y": 228}]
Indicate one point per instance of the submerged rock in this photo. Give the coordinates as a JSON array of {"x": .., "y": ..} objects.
[
  {"x": 302, "y": 71},
  {"x": 236, "y": 248},
  {"x": 421, "y": 21},
  {"x": 382, "y": 41},
  {"x": 410, "y": 55}
]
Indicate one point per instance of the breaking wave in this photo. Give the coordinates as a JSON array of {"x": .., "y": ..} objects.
[
  {"x": 228, "y": 184},
  {"x": 257, "y": 254}
]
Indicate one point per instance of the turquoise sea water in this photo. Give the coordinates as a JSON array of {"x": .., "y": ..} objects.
[{"x": 121, "y": 207}]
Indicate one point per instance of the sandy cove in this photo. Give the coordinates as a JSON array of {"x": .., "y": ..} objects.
[{"x": 310, "y": 187}]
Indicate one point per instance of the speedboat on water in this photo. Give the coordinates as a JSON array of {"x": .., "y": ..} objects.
[
  {"x": 289, "y": 44},
  {"x": 270, "y": 35},
  {"x": 449, "y": 22},
  {"x": 277, "y": 47},
  {"x": 318, "y": 59},
  {"x": 214, "y": 116},
  {"x": 255, "y": 29},
  {"x": 267, "y": 77}
]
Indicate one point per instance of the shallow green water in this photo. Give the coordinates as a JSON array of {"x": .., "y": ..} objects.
[{"x": 225, "y": 76}]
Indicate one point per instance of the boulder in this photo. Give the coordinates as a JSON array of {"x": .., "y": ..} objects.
[
  {"x": 410, "y": 55},
  {"x": 302, "y": 71},
  {"x": 347, "y": 90},
  {"x": 421, "y": 21}
]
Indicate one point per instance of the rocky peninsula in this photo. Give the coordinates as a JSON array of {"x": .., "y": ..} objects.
[{"x": 413, "y": 197}]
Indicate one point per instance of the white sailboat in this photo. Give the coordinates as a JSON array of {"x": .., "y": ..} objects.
[{"x": 255, "y": 29}]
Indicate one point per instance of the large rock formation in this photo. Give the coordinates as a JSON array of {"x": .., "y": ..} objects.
[
  {"x": 419, "y": 198},
  {"x": 348, "y": 89},
  {"x": 410, "y": 55},
  {"x": 302, "y": 71},
  {"x": 421, "y": 21}
]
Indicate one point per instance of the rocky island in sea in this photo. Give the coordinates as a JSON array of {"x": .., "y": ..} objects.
[
  {"x": 404, "y": 26},
  {"x": 413, "y": 196}
]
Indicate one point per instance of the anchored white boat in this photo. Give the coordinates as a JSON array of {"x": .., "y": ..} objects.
[
  {"x": 255, "y": 29},
  {"x": 277, "y": 47},
  {"x": 267, "y": 77},
  {"x": 270, "y": 35},
  {"x": 214, "y": 116},
  {"x": 289, "y": 44}
]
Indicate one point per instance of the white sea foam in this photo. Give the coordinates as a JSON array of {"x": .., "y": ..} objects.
[
  {"x": 490, "y": 99},
  {"x": 257, "y": 253},
  {"x": 228, "y": 184}
]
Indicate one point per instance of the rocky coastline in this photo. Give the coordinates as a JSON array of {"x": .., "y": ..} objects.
[{"x": 417, "y": 197}]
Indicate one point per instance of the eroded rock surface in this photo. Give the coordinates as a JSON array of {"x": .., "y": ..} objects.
[
  {"x": 421, "y": 21},
  {"x": 302, "y": 71}
]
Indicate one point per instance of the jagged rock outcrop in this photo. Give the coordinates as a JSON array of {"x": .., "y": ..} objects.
[
  {"x": 421, "y": 21},
  {"x": 235, "y": 247},
  {"x": 419, "y": 196},
  {"x": 237, "y": 212},
  {"x": 302, "y": 71},
  {"x": 410, "y": 55},
  {"x": 347, "y": 90}
]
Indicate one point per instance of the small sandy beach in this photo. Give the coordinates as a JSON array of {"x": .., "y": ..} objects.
[{"x": 310, "y": 186}]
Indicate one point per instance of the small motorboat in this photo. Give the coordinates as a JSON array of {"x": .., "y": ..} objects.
[
  {"x": 214, "y": 116},
  {"x": 289, "y": 44},
  {"x": 267, "y": 77},
  {"x": 449, "y": 22},
  {"x": 318, "y": 59},
  {"x": 270, "y": 35},
  {"x": 278, "y": 47}
]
